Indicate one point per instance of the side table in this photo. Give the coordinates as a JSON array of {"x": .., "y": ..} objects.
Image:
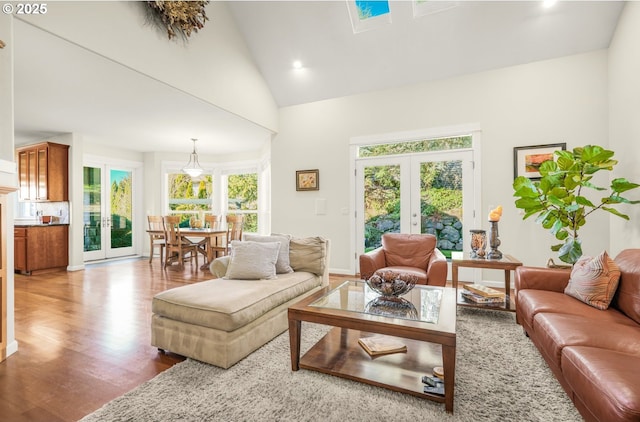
[{"x": 507, "y": 263}]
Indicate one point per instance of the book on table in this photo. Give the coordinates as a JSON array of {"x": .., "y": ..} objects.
[
  {"x": 476, "y": 298},
  {"x": 382, "y": 345},
  {"x": 484, "y": 291}
]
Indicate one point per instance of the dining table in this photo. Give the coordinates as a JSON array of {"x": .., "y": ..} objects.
[{"x": 210, "y": 237}]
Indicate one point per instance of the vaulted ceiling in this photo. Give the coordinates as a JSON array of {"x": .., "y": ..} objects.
[{"x": 133, "y": 112}]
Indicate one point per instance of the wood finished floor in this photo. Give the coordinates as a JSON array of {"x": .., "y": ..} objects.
[{"x": 84, "y": 338}]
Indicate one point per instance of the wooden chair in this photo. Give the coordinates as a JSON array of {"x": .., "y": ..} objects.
[
  {"x": 156, "y": 240},
  {"x": 177, "y": 247},
  {"x": 234, "y": 232},
  {"x": 212, "y": 222}
]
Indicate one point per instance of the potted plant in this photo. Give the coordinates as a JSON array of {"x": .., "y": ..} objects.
[{"x": 560, "y": 199}]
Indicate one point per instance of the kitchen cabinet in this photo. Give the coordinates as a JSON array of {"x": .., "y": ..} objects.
[
  {"x": 41, "y": 247},
  {"x": 43, "y": 172}
]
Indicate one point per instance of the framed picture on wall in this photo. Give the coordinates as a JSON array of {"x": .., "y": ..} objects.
[
  {"x": 308, "y": 179},
  {"x": 527, "y": 160}
]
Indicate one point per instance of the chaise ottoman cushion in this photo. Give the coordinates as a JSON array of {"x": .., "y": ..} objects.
[{"x": 230, "y": 304}]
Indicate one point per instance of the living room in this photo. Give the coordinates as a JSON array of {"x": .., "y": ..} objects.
[{"x": 585, "y": 98}]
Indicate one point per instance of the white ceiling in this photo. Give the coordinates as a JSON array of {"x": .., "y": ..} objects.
[{"x": 58, "y": 88}]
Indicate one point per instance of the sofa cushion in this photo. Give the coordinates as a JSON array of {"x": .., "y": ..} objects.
[
  {"x": 308, "y": 254},
  {"x": 408, "y": 250},
  {"x": 532, "y": 302},
  {"x": 627, "y": 298},
  {"x": 282, "y": 264},
  {"x": 607, "y": 380},
  {"x": 230, "y": 304},
  {"x": 594, "y": 280},
  {"x": 556, "y": 331},
  {"x": 252, "y": 260}
]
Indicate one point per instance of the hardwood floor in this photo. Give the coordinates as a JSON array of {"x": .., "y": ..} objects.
[{"x": 84, "y": 338}]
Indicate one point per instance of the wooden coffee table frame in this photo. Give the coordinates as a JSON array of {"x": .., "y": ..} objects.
[{"x": 339, "y": 354}]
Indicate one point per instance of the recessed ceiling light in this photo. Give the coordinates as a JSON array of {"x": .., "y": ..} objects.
[
  {"x": 297, "y": 64},
  {"x": 549, "y": 3}
]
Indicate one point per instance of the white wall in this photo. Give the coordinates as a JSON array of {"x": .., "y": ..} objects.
[
  {"x": 561, "y": 100},
  {"x": 624, "y": 120},
  {"x": 214, "y": 65}
]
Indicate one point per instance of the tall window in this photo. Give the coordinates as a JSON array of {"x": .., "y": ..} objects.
[
  {"x": 242, "y": 198},
  {"x": 189, "y": 197}
]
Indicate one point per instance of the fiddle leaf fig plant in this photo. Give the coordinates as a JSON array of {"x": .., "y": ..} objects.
[{"x": 559, "y": 198}]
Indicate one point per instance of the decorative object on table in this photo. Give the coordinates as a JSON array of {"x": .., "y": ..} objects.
[
  {"x": 307, "y": 180},
  {"x": 494, "y": 241},
  {"x": 559, "y": 198},
  {"x": 382, "y": 345},
  {"x": 478, "y": 243},
  {"x": 394, "y": 307},
  {"x": 178, "y": 17},
  {"x": 390, "y": 283},
  {"x": 196, "y": 223},
  {"x": 527, "y": 160}
]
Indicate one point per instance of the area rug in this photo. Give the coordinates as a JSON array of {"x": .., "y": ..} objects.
[{"x": 500, "y": 376}]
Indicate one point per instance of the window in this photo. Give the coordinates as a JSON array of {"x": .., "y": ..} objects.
[
  {"x": 229, "y": 188},
  {"x": 188, "y": 197},
  {"x": 242, "y": 198}
]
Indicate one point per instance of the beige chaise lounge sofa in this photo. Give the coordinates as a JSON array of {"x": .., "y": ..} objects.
[{"x": 221, "y": 321}]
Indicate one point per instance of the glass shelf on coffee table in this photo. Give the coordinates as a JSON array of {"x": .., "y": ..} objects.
[{"x": 425, "y": 321}]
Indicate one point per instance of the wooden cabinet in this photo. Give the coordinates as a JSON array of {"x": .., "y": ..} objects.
[
  {"x": 41, "y": 248},
  {"x": 43, "y": 172}
]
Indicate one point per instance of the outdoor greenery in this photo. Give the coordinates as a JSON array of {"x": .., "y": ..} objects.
[
  {"x": 189, "y": 198},
  {"x": 440, "y": 193},
  {"x": 121, "y": 212},
  {"x": 560, "y": 199}
]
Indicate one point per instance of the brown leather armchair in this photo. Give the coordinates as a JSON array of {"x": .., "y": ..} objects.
[{"x": 408, "y": 253}]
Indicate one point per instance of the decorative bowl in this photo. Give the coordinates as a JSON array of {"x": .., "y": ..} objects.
[{"x": 391, "y": 283}]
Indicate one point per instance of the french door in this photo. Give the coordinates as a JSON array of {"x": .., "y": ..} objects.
[
  {"x": 415, "y": 193},
  {"x": 108, "y": 211}
]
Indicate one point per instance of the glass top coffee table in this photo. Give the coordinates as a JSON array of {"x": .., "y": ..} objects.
[{"x": 425, "y": 319}]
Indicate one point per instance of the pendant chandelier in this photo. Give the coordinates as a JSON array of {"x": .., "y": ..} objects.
[{"x": 193, "y": 168}]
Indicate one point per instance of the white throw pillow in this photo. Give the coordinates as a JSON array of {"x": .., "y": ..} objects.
[
  {"x": 282, "y": 264},
  {"x": 252, "y": 260}
]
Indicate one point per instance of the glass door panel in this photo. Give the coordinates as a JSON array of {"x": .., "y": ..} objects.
[
  {"x": 121, "y": 203},
  {"x": 92, "y": 213},
  {"x": 108, "y": 212}
]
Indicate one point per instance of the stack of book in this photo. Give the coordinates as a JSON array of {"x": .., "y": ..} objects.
[
  {"x": 477, "y": 293},
  {"x": 382, "y": 345}
]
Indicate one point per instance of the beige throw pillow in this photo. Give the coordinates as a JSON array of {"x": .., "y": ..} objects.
[
  {"x": 308, "y": 254},
  {"x": 252, "y": 260},
  {"x": 594, "y": 280},
  {"x": 282, "y": 264}
]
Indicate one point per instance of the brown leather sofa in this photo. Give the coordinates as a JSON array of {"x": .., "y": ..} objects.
[
  {"x": 407, "y": 253},
  {"x": 594, "y": 354}
]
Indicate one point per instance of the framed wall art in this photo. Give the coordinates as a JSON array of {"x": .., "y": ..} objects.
[
  {"x": 308, "y": 179},
  {"x": 527, "y": 160}
]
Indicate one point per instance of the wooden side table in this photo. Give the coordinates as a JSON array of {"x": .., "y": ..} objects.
[{"x": 507, "y": 263}]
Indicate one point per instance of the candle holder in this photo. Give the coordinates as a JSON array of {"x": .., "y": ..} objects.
[
  {"x": 478, "y": 244},
  {"x": 494, "y": 241}
]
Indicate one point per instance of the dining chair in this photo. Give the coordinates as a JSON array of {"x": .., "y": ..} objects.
[
  {"x": 234, "y": 232},
  {"x": 210, "y": 222},
  {"x": 177, "y": 248},
  {"x": 156, "y": 236}
]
